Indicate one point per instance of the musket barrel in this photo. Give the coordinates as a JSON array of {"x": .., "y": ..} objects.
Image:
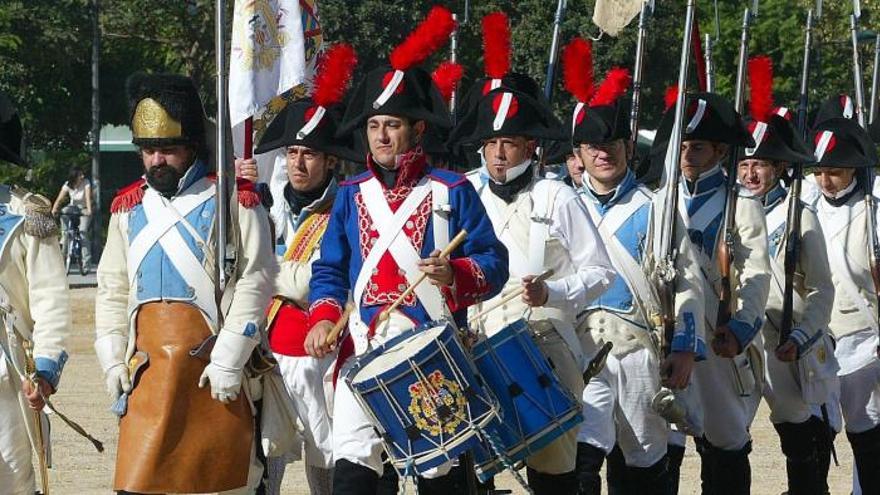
[
  {"x": 710, "y": 65},
  {"x": 743, "y": 58},
  {"x": 875, "y": 80},
  {"x": 803, "y": 98},
  {"x": 638, "y": 71},
  {"x": 554, "y": 49},
  {"x": 857, "y": 71}
]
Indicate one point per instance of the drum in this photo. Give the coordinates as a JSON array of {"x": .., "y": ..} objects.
[
  {"x": 535, "y": 408},
  {"x": 421, "y": 390}
]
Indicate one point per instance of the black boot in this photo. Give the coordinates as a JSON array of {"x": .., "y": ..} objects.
[
  {"x": 866, "y": 451},
  {"x": 651, "y": 480},
  {"x": 732, "y": 473},
  {"x": 353, "y": 479},
  {"x": 823, "y": 436},
  {"x": 675, "y": 456},
  {"x": 707, "y": 466},
  {"x": 615, "y": 472},
  {"x": 801, "y": 460},
  {"x": 454, "y": 482},
  {"x": 552, "y": 484},
  {"x": 588, "y": 464}
]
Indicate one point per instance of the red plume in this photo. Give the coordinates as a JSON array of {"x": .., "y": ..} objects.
[
  {"x": 496, "y": 45},
  {"x": 446, "y": 77},
  {"x": 670, "y": 96},
  {"x": 577, "y": 69},
  {"x": 334, "y": 74},
  {"x": 613, "y": 87},
  {"x": 761, "y": 87},
  {"x": 424, "y": 40}
]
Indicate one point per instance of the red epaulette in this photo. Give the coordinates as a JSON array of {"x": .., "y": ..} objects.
[
  {"x": 248, "y": 196},
  {"x": 128, "y": 197}
]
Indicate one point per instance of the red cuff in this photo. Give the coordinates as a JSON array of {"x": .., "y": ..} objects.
[
  {"x": 468, "y": 284},
  {"x": 324, "y": 310}
]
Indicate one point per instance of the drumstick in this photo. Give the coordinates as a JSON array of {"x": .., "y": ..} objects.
[
  {"x": 454, "y": 243},
  {"x": 337, "y": 328},
  {"x": 518, "y": 292}
]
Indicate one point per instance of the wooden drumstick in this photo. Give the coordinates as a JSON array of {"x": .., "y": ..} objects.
[
  {"x": 454, "y": 243},
  {"x": 337, "y": 328},
  {"x": 513, "y": 295}
]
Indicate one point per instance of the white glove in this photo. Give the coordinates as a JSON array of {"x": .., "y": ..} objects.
[
  {"x": 225, "y": 382},
  {"x": 118, "y": 381},
  {"x": 230, "y": 353}
]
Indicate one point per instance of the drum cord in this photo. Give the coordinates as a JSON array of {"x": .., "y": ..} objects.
[{"x": 493, "y": 442}]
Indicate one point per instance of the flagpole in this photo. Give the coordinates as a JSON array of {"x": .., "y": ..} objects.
[{"x": 220, "y": 158}]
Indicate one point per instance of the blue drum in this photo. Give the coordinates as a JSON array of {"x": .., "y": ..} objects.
[
  {"x": 425, "y": 400},
  {"x": 535, "y": 408}
]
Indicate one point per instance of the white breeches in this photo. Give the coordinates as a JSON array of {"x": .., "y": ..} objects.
[
  {"x": 617, "y": 409},
  {"x": 16, "y": 470},
  {"x": 304, "y": 378},
  {"x": 860, "y": 398},
  {"x": 729, "y": 393}
]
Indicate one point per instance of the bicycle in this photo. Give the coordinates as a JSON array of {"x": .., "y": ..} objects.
[{"x": 73, "y": 240}]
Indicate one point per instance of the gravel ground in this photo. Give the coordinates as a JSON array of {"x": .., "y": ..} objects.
[{"x": 79, "y": 470}]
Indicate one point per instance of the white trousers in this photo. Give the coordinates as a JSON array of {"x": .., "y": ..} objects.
[
  {"x": 860, "y": 398},
  {"x": 16, "y": 469},
  {"x": 728, "y": 412},
  {"x": 304, "y": 378},
  {"x": 617, "y": 409}
]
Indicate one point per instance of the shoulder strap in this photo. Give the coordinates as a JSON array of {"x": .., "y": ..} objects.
[{"x": 441, "y": 210}]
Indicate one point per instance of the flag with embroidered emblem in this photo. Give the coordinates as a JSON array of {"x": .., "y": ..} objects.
[{"x": 274, "y": 49}]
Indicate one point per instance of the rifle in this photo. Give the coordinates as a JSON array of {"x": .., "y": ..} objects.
[
  {"x": 725, "y": 251},
  {"x": 870, "y": 206},
  {"x": 638, "y": 71},
  {"x": 793, "y": 222},
  {"x": 665, "y": 271}
]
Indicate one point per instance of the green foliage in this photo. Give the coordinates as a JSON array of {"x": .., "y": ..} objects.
[{"x": 45, "y": 52}]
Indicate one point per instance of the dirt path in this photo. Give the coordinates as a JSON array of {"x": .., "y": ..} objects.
[{"x": 79, "y": 470}]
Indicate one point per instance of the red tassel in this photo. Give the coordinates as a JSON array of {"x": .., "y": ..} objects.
[
  {"x": 496, "y": 45},
  {"x": 613, "y": 87},
  {"x": 430, "y": 35},
  {"x": 446, "y": 76},
  {"x": 670, "y": 96},
  {"x": 333, "y": 74},
  {"x": 577, "y": 69},
  {"x": 128, "y": 197},
  {"x": 761, "y": 87}
]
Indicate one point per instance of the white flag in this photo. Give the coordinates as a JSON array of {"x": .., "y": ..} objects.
[
  {"x": 274, "y": 48},
  {"x": 613, "y": 15}
]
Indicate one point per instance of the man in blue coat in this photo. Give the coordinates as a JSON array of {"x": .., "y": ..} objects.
[{"x": 364, "y": 256}]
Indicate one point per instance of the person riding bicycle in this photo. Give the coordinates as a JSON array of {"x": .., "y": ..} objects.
[{"x": 79, "y": 190}]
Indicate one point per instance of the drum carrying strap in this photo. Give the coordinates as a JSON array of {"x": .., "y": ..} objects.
[
  {"x": 542, "y": 196},
  {"x": 441, "y": 210},
  {"x": 392, "y": 239}
]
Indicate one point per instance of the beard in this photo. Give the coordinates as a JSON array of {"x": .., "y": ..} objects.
[{"x": 164, "y": 178}]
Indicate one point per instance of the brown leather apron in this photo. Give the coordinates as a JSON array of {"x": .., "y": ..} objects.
[{"x": 175, "y": 438}]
